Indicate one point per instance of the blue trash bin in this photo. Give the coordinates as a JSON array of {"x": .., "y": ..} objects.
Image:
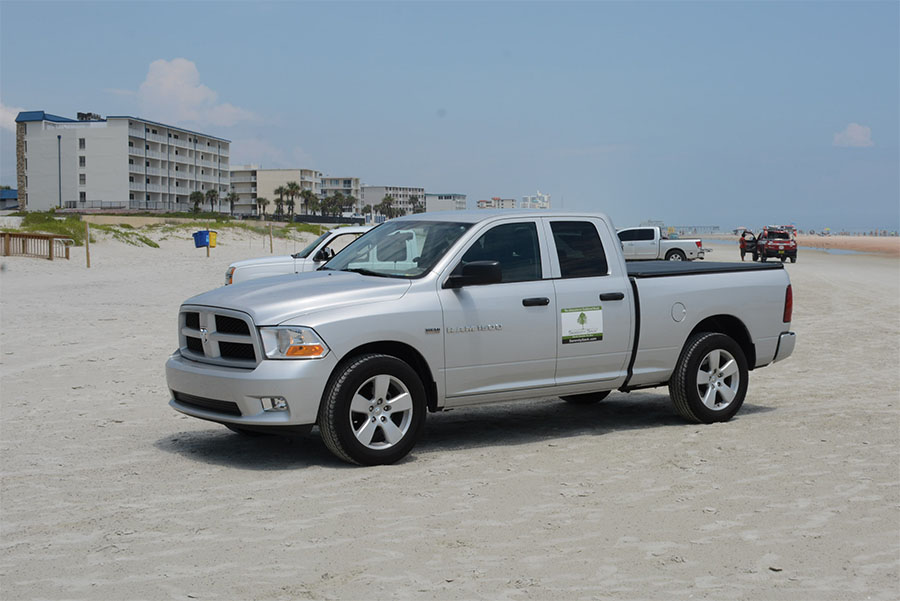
[{"x": 201, "y": 239}]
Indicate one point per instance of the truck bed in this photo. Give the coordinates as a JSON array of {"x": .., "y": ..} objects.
[{"x": 656, "y": 269}]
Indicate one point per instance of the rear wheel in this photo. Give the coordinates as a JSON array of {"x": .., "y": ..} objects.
[
  {"x": 374, "y": 410},
  {"x": 783, "y": 259},
  {"x": 675, "y": 255},
  {"x": 586, "y": 399},
  {"x": 793, "y": 259},
  {"x": 710, "y": 380}
]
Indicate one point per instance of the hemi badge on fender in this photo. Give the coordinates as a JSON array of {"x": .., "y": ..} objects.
[{"x": 432, "y": 330}]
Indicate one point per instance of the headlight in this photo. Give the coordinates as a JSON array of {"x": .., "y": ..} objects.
[
  {"x": 229, "y": 273},
  {"x": 292, "y": 342}
]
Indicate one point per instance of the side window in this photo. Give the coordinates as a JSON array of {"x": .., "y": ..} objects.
[
  {"x": 340, "y": 242},
  {"x": 579, "y": 249},
  {"x": 644, "y": 234},
  {"x": 515, "y": 246},
  {"x": 627, "y": 235}
]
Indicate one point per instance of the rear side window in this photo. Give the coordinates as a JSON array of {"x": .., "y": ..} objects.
[
  {"x": 645, "y": 234},
  {"x": 579, "y": 249},
  {"x": 515, "y": 246}
]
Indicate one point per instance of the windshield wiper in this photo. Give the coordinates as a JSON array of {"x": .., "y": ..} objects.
[{"x": 363, "y": 271}]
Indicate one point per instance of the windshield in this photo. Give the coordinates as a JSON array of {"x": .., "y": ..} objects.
[
  {"x": 305, "y": 252},
  {"x": 399, "y": 249}
]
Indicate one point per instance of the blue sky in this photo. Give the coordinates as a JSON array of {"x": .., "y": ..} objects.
[{"x": 693, "y": 113}]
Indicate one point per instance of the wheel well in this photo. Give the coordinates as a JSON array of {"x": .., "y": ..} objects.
[
  {"x": 405, "y": 353},
  {"x": 734, "y": 328}
]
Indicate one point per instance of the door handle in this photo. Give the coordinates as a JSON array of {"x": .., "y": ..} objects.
[
  {"x": 611, "y": 296},
  {"x": 539, "y": 301}
]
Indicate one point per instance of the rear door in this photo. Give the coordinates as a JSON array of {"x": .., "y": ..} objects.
[
  {"x": 646, "y": 245},
  {"x": 499, "y": 337},
  {"x": 594, "y": 317}
]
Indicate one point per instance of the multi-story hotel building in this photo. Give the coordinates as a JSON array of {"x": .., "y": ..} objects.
[
  {"x": 250, "y": 182},
  {"x": 115, "y": 163},
  {"x": 403, "y": 196},
  {"x": 348, "y": 186},
  {"x": 445, "y": 202},
  {"x": 497, "y": 203},
  {"x": 536, "y": 201}
]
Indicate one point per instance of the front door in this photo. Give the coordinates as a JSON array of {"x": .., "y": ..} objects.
[{"x": 497, "y": 337}]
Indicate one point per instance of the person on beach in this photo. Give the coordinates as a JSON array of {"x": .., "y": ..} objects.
[{"x": 747, "y": 244}]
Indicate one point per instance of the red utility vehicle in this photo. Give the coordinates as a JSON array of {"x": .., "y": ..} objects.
[{"x": 777, "y": 244}]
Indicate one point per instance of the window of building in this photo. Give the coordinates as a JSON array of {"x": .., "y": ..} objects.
[
  {"x": 82, "y": 196},
  {"x": 146, "y": 147},
  {"x": 81, "y": 161},
  {"x": 148, "y": 197},
  {"x": 579, "y": 249},
  {"x": 176, "y": 136},
  {"x": 81, "y": 143},
  {"x": 131, "y": 197},
  {"x": 130, "y": 144},
  {"x": 147, "y": 180},
  {"x": 131, "y": 161},
  {"x": 82, "y": 179},
  {"x": 131, "y": 179},
  {"x": 154, "y": 131},
  {"x": 176, "y": 167},
  {"x": 176, "y": 152},
  {"x": 146, "y": 163},
  {"x": 177, "y": 184}
]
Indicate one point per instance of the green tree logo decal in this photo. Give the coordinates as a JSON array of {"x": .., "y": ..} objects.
[{"x": 582, "y": 319}]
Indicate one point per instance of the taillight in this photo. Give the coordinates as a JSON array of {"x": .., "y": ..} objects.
[
  {"x": 788, "y": 305},
  {"x": 699, "y": 244}
]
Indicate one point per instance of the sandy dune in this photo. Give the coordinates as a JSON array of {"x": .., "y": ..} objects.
[{"x": 107, "y": 493}]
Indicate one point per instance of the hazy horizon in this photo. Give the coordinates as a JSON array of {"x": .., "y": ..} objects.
[{"x": 725, "y": 114}]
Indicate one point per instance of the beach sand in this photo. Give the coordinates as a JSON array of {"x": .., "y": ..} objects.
[{"x": 107, "y": 493}]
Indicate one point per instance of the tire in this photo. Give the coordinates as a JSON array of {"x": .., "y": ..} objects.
[
  {"x": 373, "y": 411},
  {"x": 762, "y": 258},
  {"x": 755, "y": 257},
  {"x": 675, "y": 255},
  {"x": 719, "y": 397},
  {"x": 793, "y": 259},
  {"x": 783, "y": 259},
  {"x": 586, "y": 399}
]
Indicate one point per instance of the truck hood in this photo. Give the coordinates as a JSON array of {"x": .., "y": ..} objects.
[
  {"x": 278, "y": 260},
  {"x": 273, "y": 300}
]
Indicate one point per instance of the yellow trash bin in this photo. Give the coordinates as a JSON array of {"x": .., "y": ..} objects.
[{"x": 212, "y": 239}]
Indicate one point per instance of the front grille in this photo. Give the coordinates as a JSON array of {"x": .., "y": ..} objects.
[
  {"x": 231, "y": 325},
  {"x": 199, "y": 402},
  {"x": 219, "y": 336},
  {"x": 236, "y": 350}
]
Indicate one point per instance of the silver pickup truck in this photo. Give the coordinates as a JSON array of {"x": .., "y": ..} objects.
[
  {"x": 310, "y": 258},
  {"x": 489, "y": 306},
  {"x": 650, "y": 244}
]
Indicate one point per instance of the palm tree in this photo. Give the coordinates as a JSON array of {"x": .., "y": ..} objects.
[
  {"x": 232, "y": 198},
  {"x": 293, "y": 189},
  {"x": 212, "y": 197},
  {"x": 279, "y": 204},
  {"x": 196, "y": 197},
  {"x": 386, "y": 207},
  {"x": 310, "y": 200},
  {"x": 417, "y": 205},
  {"x": 262, "y": 202}
]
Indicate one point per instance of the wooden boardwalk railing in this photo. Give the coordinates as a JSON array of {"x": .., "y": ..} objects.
[{"x": 45, "y": 246}]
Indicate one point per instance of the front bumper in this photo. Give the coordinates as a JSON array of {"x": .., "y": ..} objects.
[
  {"x": 786, "y": 342},
  {"x": 202, "y": 387}
]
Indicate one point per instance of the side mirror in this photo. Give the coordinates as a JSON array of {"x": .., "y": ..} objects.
[
  {"x": 323, "y": 255},
  {"x": 476, "y": 273}
]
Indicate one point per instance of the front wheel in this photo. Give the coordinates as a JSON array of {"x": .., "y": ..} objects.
[
  {"x": 374, "y": 410},
  {"x": 710, "y": 380},
  {"x": 586, "y": 399},
  {"x": 675, "y": 255}
]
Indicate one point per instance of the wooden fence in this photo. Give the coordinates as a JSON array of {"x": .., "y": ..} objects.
[{"x": 45, "y": 246}]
